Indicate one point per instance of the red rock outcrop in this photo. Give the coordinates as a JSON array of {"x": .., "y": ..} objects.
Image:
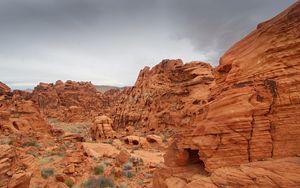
[
  {"x": 102, "y": 129},
  {"x": 165, "y": 96},
  {"x": 70, "y": 101},
  {"x": 252, "y": 111},
  {"x": 11, "y": 169},
  {"x": 4, "y": 88},
  {"x": 20, "y": 117},
  {"x": 274, "y": 173}
]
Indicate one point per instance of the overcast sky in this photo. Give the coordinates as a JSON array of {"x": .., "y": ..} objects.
[{"x": 109, "y": 41}]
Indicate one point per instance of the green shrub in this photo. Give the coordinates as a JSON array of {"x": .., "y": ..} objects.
[
  {"x": 128, "y": 166},
  {"x": 128, "y": 173},
  {"x": 69, "y": 182},
  {"x": 99, "y": 169},
  {"x": 47, "y": 172},
  {"x": 100, "y": 182}
]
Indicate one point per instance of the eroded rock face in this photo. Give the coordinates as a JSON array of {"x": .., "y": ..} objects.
[
  {"x": 102, "y": 128},
  {"x": 69, "y": 102},
  {"x": 168, "y": 95},
  {"x": 11, "y": 173},
  {"x": 275, "y": 173},
  {"x": 251, "y": 114},
  {"x": 281, "y": 172},
  {"x": 252, "y": 111}
]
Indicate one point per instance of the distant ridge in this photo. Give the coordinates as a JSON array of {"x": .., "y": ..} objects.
[{"x": 104, "y": 88}]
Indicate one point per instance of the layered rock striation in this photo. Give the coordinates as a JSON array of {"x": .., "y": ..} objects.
[{"x": 252, "y": 110}]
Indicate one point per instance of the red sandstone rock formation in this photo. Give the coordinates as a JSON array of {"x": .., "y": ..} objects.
[
  {"x": 20, "y": 117},
  {"x": 69, "y": 102},
  {"x": 252, "y": 112},
  {"x": 102, "y": 129},
  {"x": 167, "y": 95},
  {"x": 11, "y": 169},
  {"x": 4, "y": 88}
]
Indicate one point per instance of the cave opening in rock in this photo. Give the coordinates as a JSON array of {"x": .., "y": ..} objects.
[
  {"x": 126, "y": 141},
  {"x": 194, "y": 159},
  {"x": 135, "y": 142},
  {"x": 16, "y": 125},
  {"x": 151, "y": 140}
]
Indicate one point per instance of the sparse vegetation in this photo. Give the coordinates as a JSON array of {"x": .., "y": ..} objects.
[
  {"x": 128, "y": 173},
  {"x": 140, "y": 182},
  {"x": 5, "y": 140},
  {"x": 31, "y": 143},
  {"x": 128, "y": 166},
  {"x": 99, "y": 169},
  {"x": 45, "y": 160},
  {"x": 69, "y": 182},
  {"x": 100, "y": 182},
  {"x": 79, "y": 128},
  {"x": 47, "y": 172},
  {"x": 109, "y": 141}
]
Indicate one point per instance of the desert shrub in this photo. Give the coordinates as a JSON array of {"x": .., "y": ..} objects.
[
  {"x": 141, "y": 161},
  {"x": 140, "y": 182},
  {"x": 47, "y": 172},
  {"x": 105, "y": 182},
  {"x": 106, "y": 163},
  {"x": 31, "y": 143},
  {"x": 69, "y": 182},
  {"x": 109, "y": 141},
  {"x": 45, "y": 160},
  {"x": 49, "y": 153},
  {"x": 128, "y": 166},
  {"x": 128, "y": 173},
  {"x": 90, "y": 183},
  {"x": 100, "y": 182},
  {"x": 99, "y": 169},
  {"x": 136, "y": 161}
]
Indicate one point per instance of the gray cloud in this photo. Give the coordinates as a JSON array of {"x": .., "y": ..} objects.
[{"x": 108, "y": 41}]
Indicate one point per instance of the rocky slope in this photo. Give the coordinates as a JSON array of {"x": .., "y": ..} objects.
[
  {"x": 69, "y": 102},
  {"x": 252, "y": 113},
  {"x": 166, "y": 96}
]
